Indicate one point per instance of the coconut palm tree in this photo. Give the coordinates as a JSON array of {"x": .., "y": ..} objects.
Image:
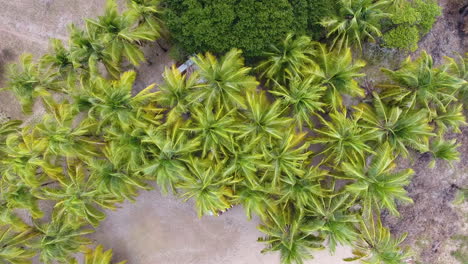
[
  {"x": 58, "y": 241},
  {"x": 27, "y": 81},
  {"x": 113, "y": 177},
  {"x": 444, "y": 150},
  {"x": 402, "y": 129},
  {"x": 377, "y": 246},
  {"x": 175, "y": 92},
  {"x": 255, "y": 200},
  {"x": 287, "y": 59},
  {"x": 13, "y": 246},
  {"x": 148, "y": 12},
  {"x": 356, "y": 21},
  {"x": 224, "y": 81},
  {"x": 98, "y": 256},
  {"x": 286, "y": 157},
  {"x": 16, "y": 194},
  {"x": 211, "y": 192},
  {"x": 451, "y": 120},
  {"x": 419, "y": 84},
  {"x": 24, "y": 161},
  {"x": 376, "y": 183},
  {"x": 59, "y": 59},
  {"x": 78, "y": 198},
  {"x": 337, "y": 71},
  {"x": 301, "y": 189},
  {"x": 263, "y": 121},
  {"x": 121, "y": 34},
  {"x": 215, "y": 129},
  {"x": 60, "y": 137},
  {"x": 113, "y": 105},
  {"x": 343, "y": 138},
  {"x": 290, "y": 235},
  {"x": 87, "y": 50},
  {"x": 332, "y": 219},
  {"x": 302, "y": 97},
  {"x": 169, "y": 152}
]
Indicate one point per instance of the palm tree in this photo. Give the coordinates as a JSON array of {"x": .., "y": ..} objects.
[
  {"x": 377, "y": 246},
  {"x": 18, "y": 195},
  {"x": 255, "y": 200},
  {"x": 337, "y": 71},
  {"x": 13, "y": 249},
  {"x": 215, "y": 130},
  {"x": 290, "y": 235},
  {"x": 375, "y": 182},
  {"x": 87, "y": 50},
  {"x": 98, "y": 256},
  {"x": 78, "y": 198},
  {"x": 120, "y": 34},
  {"x": 286, "y": 157},
  {"x": 169, "y": 152},
  {"x": 301, "y": 189},
  {"x": 113, "y": 105},
  {"x": 129, "y": 147},
  {"x": 148, "y": 13},
  {"x": 356, "y": 21},
  {"x": 451, "y": 120},
  {"x": 400, "y": 128},
  {"x": 343, "y": 138},
  {"x": 224, "y": 81},
  {"x": 175, "y": 92},
  {"x": 60, "y": 137},
  {"x": 459, "y": 68},
  {"x": 205, "y": 184},
  {"x": 59, "y": 59},
  {"x": 302, "y": 97},
  {"x": 332, "y": 219},
  {"x": 263, "y": 121},
  {"x": 113, "y": 177},
  {"x": 444, "y": 150},
  {"x": 28, "y": 81},
  {"x": 287, "y": 59},
  {"x": 419, "y": 84},
  {"x": 23, "y": 160},
  {"x": 59, "y": 240}
]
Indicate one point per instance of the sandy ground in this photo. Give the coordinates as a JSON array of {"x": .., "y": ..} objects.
[{"x": 159, "y": 230}]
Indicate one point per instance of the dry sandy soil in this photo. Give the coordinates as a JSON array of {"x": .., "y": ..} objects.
[{"x": 159, "y": 230}]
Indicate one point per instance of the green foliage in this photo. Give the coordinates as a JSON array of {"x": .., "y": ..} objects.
[
  {"x": 218, "y": 26},
  {"x": 98, "y": 256},
  {"x": 411, "y": 20},
  {"x": 337, "y": 72},
  {"x": 290, "y": 57},
  {"x": 402, "y": 129},
  {"x": 219, "y": 138},
  {"x": 402, "y": 37},
  {"x": 355, "y": 22},
  {"x": 375, "y": 182},
  {"x": 429, "y": 10},
  {"x": 291, "y": 237},
  {"x": 377, "y": 246}
]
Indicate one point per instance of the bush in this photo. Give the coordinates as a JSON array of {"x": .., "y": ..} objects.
[
  {"x": 411, "y": 21},
  {"x": 217, "y": 26},
  {"x": 429, "y": 10},
  {"x": 402, "y": 37},
  {"x": 251, "y": 25}
]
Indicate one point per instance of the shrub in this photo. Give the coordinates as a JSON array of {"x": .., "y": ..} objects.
[
  {"x": 218, "y": 26},
  {"x": 402, "y": 37},
  {"x": 429, "y": 10},
  {"x": 411, "y": 21}
]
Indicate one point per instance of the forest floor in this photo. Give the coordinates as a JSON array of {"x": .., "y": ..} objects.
[{"x": 161, "y": 229}]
